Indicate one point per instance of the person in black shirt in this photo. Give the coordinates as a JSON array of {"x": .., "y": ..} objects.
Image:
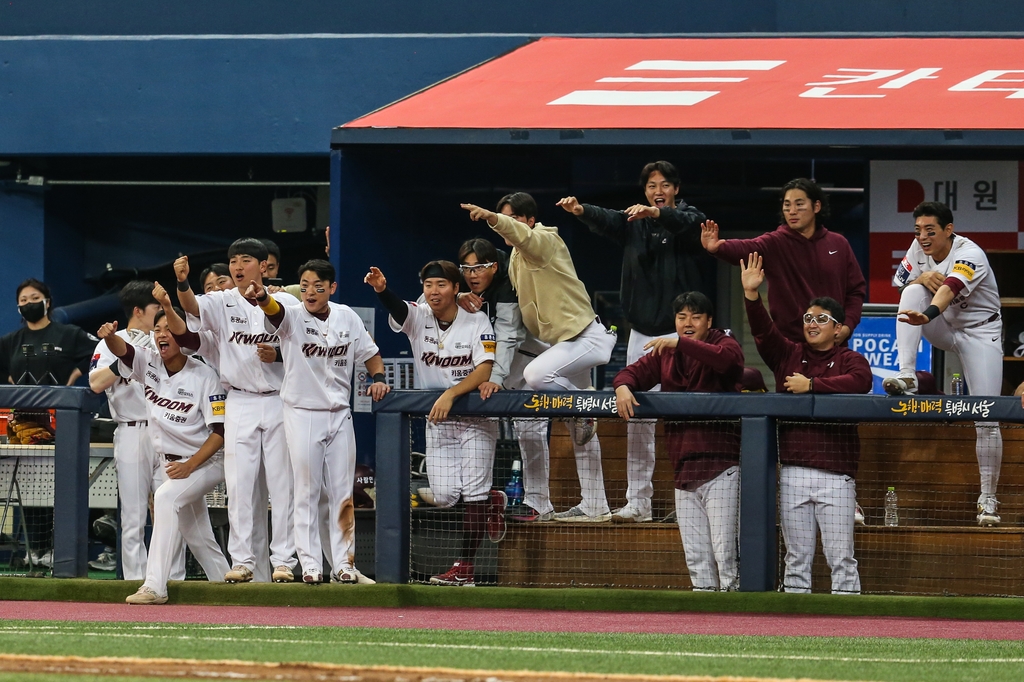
[
  {"x": 662, "y": 258},
  {"x": 43, "y": 352}
]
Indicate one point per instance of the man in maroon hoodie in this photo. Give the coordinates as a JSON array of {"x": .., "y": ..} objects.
[
  {"x": 705, "y": 457},
  {"x": 819, "y": 462},
  {"x": 802, "y": 260}
]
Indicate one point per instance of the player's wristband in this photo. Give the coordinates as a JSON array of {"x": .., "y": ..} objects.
[
  {"x": 931, "y": 312},
  {"x": 263, "y": 298},
  {"x": 810, "y": 385},
  {"x": 379, "y": 378},
  {"x": 183, "y": 286},
  {"x": 113, "y": 367},
  {"x": 277, "y": 355},
  {"x": 269, "y": 304}
]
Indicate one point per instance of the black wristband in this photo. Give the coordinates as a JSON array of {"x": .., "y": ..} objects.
[
  {"x": 183, "y": 286},
  {"x": 931, "y": 312},
  {"x": 277, "y": 355},
  {"x": 262, "y": 298},
  {"x": 379, "y": 378},
  {"x": 113, "y": 367}
]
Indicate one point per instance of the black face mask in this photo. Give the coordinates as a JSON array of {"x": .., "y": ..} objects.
[{"x": 33, "y": 312}]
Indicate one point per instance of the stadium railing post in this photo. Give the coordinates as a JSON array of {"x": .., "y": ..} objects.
[
  {"x": 71, "y": 487},
  {"x": 758, "y": 535},
  {"x": 392, "y": 466}
]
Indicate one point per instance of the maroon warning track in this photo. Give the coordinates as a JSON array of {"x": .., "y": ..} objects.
[{"x": 523, "y": 620}]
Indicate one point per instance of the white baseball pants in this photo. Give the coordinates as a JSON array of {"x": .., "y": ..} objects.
[
  {"x": 460, "y": 460},
  {"x": 566, "y": 366},
  {"x": 810, "y": 499},
  {"x": 532, "y": 435},
  {"x": 980, "y": 350},
  {"x": 254, "y": 432},
  {"x": 139, "y": 474},
  {"x": 708, "y": 518},
  {"x": 640, "y": 437},
  {"x": 323, "y": 453},
  {"x": 179, "y": 510}
]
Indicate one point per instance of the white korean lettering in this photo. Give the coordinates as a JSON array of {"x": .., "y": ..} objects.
[{"x": 993, "y": 76}]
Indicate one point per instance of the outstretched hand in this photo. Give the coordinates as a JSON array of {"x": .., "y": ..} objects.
[
  {"x": 709, "y": 236},
  {"x": 255, "y": 292},
  {"x": 375, "y": 278},
  {"x": 751, "y": 274},
  {"x": 570, "y": 205},
  {"x": 161, "y": 295},
  {"x": 659, "y": 343},
  {"x": 106, "y": 330},
  {"x": 181, "y": 268},
  {"x": 478, "y": 213},
  {"x": 912, "y": 317},
  {"x": 638, "y": 211}
]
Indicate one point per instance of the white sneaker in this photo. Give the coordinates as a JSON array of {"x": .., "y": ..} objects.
[
  {"x": 858, "y": 515},
  {"x": 311, "y": 576},
  {"x": 106, "y": 561},
  {"x": 238, "y": 574},
  {"x": 146, "y": 595},
  {"x": 904, "y": 383},
  {"x": 630, "y": 514},
  {"x": 577, "y": 515},
  {"x": 283, "y": 574},
  {"x": 352, "y": 576},
  {"x": 583, "y": 429},
  {"x": 987, "y": 504}
]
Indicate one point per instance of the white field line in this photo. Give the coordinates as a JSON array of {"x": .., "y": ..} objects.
[{"x": 523, "y": 649}]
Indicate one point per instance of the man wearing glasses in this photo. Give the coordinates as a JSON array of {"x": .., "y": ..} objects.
[
  {"x": 802, "y": 260},
  {"x": 819, "y": 462},
  {"x": 485, "y": 270}
]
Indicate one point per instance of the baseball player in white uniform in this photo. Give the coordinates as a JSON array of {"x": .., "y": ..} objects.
[
  {"x": 253, "y": 429},
  {"x": 452, "y": 350},
  {"x": 950, "y": 294},
  {"x": 321, "y": 342},
  {"x": 185, "y": 404},
  {"x": 138, "y": 471}
]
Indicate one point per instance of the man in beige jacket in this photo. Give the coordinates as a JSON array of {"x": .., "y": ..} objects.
[{"x": 556, "y": 309}]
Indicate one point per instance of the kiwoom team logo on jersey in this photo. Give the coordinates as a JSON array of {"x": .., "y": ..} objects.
[
  {"x": 167, "y": 403},
  {"x": 965, "y": 268},
  {"x": 246, "y": 339},
  {"x": 430, "y": 358},
  {"x": 314, "y": 350}
]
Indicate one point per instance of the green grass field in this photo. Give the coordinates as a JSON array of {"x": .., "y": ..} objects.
[{"x": 785, "y": 657}]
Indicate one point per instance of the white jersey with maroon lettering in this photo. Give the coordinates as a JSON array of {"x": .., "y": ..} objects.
[
  {"x": 443, "y": 358},
  {"x": 180, "y": 406},
  {"x": 319, "y": 356},
  {"x": 239, "y": 327},
  {"x": 125, "y": 397},
  {"x": 977, "y": 301}
]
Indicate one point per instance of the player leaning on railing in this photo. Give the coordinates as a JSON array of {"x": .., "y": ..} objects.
[
  {"x": 453, "y": 350},
  {"x": 556, "y": 309},
  {"x": 819, "y": 463},
  {"x": 705, "y": 457},
  {"x": 949, "y": 293},
  {"x": 185, "y": 403}
]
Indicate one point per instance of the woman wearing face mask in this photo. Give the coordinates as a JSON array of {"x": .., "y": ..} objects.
[{"x": 42, "y": 351}]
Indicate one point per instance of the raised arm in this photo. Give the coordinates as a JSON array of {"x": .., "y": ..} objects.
[
  {"x": 396, "y": 307},
  {"x": 185, "y": 296},
  {"x": 771, "y": 344}
]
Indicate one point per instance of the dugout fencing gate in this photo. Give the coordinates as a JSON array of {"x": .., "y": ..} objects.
[{"x": 922, "y": 446}]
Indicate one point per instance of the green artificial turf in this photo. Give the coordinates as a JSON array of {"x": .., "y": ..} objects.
[
  {"x": 580, "y": 599},
  {"x": 835, "y": 658}
]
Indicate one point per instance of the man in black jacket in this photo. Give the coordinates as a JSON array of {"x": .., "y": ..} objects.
[{"x": 662, "y": 258}]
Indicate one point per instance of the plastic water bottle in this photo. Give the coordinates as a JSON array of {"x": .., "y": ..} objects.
[
  {"x": 514, "y": 487},
  {"x": 956, "y": 385},
  {"x": 892, "y": 515}
]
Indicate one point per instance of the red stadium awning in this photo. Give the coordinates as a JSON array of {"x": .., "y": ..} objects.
[{"x": 829, "y": 85}]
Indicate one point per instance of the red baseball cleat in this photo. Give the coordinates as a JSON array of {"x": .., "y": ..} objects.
[{"x": 460, "y": 574}]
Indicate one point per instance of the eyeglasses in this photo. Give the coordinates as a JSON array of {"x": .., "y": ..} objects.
[
  {"x": 473, "y": 269},
  {"x": 820, "y": 318}
]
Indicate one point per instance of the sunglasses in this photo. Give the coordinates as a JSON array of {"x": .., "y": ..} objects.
[
  {"x": 472, "y": 269},
  {"x": 820, "y": 318}
]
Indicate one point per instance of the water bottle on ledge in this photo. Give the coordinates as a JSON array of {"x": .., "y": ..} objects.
[
  {"x": 956, "y": 385},
  {"x": 892, "y": 516},
  {"x": 514, "y": 487}
]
